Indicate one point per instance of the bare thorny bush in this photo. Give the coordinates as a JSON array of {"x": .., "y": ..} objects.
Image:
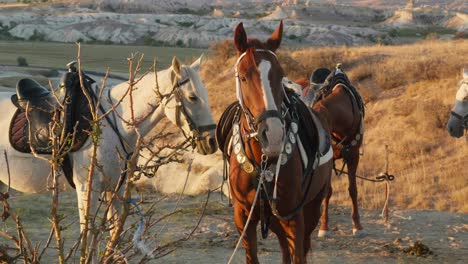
[{"x": 126, "y": 240}]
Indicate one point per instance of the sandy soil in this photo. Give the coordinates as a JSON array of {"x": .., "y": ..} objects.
[{"x": 445, "y": 234}]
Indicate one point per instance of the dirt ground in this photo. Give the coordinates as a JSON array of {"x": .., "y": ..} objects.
[{"x": 445, "y": 234}]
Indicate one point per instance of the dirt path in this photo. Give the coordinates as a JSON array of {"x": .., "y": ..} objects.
[{"x": 446, "y": 234}]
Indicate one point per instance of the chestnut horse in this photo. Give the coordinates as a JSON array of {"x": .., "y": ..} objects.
[
  {"x": 332, "y": 95},
  {"x": 272, "y": 179}
]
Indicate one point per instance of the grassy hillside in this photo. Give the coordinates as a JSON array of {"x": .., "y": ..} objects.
[
  {"x": 409, "y": 91},
  {"x": 94, "y": 57}
]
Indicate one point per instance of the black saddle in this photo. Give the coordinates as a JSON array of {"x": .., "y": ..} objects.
[
  {"x": 338, "y": 76},
  {"x": 38, "y": 107},
  {"x": 36, "y": 103}
]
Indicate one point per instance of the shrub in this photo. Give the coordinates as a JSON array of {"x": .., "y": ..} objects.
[
  {"x": 22, "y": 62},
  {"x": 223, "y": 49}
]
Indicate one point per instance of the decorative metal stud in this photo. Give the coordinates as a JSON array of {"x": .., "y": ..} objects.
[
  {"x": 292, "y": 138},
  {"x": 236, "y": 138},
  {"x": 288, "y": 148},
  {"x": 354, "y": 142},
  {"x": 284, "y": 159},
  {"x": 248, "y": 167},
  {"x": 294, "y": 127},
  {"x": 358, "y": 136},
  {"x": 240, "y": 158},
  {"x": 237, "y": 148}
]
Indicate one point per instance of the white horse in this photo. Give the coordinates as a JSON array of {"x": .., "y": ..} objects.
[
  {"x": 458, "y": 120},
  {"x": 184, "y": 102}
]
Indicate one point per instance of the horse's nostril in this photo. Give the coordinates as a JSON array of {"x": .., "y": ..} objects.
[{"x": 264, "y": 135}]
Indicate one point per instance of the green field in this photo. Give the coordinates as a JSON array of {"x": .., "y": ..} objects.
[{"x": 94, "y": 57}]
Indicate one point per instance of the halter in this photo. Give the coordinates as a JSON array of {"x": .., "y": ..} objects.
[
  {"x": 463, "y": 118},
  {"x": 181, "y": 110},
  {"x": 251, "y": 120}
]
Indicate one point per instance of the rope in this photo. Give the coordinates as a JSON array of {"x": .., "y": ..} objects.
[
  {"x": 137, "y": 241},
  {"x": 384, "y": 213},
  {"x": 248, "y": 220}
]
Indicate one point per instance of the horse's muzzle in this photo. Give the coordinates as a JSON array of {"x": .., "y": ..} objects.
[
  {"x": 206, "y": 143},
  {"x": 270, "y": 136},
  {"x": 455, "y": 127}
]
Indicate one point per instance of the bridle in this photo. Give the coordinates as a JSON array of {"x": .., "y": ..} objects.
[
  {"x": 462, "y": 118},
  {"x": 253, "y": 122},
  {"x": 181, "y": 111}
]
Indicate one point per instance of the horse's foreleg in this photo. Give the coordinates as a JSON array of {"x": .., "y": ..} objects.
[
  {"x": 283, "y": 240},
  {"x": 82, "y": 204},
  {"x": 250, "y": 237},
  {"x": 114, "y": 210},
  {"x": 294, "y": 230},
  {"x": 323, "y": 232},
  {"x": 353, "y": 193}
]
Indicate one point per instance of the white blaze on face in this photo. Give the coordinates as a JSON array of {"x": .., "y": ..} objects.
[
  {"x": 275, "y": 129},
  {"x": 264, "y": 68}
]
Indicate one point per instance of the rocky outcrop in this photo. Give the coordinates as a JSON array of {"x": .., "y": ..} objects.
[
  {"x": 458, "y": 22},
  {"x": 401, "y": 18},
  {"x": 169, "y": 29}
]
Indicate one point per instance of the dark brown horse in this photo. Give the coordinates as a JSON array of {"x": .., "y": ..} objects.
[
  {"x": 268, "y": 161},
  {"x": 339, "y": 102}
]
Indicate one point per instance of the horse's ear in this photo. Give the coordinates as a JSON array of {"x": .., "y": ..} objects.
[
  {"x": 176, "y": 65},
  {"x": 274, "y": 41},
  {"x": 240, "y": 38},
  {"x": 196, "y": 64}
]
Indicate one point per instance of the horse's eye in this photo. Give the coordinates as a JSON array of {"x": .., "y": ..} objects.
[{"x": 243, "y": 79}]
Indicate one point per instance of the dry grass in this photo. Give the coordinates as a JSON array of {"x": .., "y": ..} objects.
[{"x": 409, "y": 91}]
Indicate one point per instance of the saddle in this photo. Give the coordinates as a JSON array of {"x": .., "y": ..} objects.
[
  {"x": 338, "y": 76},
  {"x": 38, "y": 108}
]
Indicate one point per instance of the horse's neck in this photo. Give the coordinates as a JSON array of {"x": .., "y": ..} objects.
[{"x": 147, "y": 108}]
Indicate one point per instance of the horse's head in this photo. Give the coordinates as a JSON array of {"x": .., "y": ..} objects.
[
  {"x": 188, "y": 107},
  {"x": 458, "y": 120},
  {"x": 259, "y": 88}
]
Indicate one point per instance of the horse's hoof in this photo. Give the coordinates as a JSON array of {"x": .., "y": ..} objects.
[
  {"x": 359, "y": 233},
  {"x": 324, "y": 233}
]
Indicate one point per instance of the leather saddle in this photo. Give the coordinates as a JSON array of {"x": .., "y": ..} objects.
[
  {"x": 338, "y": 76},
  {"x": 38, "y": 109}
]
